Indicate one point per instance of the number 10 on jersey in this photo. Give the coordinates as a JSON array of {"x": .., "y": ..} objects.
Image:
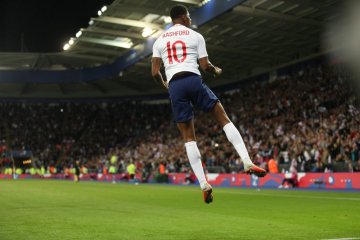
[{"x": 171, "y": 50}]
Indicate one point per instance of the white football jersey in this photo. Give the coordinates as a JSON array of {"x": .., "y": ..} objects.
[{"x": 179, "y": 48}]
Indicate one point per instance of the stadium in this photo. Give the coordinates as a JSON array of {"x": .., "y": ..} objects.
[{"x": 96, "y": 141}]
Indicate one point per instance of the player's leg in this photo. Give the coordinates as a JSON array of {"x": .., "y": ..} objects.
[
  {"x": 188, "y": 133},
  {"x": 233, "y": 135},
  {"x": 180, "y": 90},
  {"x": 207, "y": 101}
]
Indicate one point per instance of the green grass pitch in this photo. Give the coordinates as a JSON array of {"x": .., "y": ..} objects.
[{"x": 50, "y": 209}]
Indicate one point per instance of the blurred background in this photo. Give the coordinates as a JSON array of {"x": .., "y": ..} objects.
[{"x": 75, "y": 84}]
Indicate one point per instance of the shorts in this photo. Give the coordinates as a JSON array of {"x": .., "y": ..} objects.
[{"x": 188, "y": 91}]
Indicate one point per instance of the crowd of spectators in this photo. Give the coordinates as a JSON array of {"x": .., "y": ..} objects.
[{"x": 308, "y": 119}]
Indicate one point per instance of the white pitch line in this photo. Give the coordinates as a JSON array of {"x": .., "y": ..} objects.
[
  {"x": 341, "y": 238},
  {"x": 259, "y": 193},
  {"x": 297, "y": 196}
]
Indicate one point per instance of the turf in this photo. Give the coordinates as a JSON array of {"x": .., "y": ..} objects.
[{"x": 49, "y": 209}]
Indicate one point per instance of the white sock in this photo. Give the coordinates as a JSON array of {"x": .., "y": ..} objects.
[
  {"x": 194, "y": 156},
  {"x": 233, "y": 135}
]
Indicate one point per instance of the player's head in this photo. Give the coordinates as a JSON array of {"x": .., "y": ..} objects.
[{"x": 180, "y": 14}]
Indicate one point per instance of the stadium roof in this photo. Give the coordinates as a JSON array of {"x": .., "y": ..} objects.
[{"x": 110, "y": 57}]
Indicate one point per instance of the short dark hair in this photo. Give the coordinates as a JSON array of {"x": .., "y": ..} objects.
[{"x": 177, "y": 11}]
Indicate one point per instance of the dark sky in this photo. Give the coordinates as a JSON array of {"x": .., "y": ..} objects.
[{"x": 43, "y": 26}]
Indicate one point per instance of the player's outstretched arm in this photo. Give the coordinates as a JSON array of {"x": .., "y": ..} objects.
[
  {"x": 155, "y": 72},
  {"x": 207, "y": 66}
]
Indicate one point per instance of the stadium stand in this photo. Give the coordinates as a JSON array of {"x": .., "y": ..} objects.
[{"x": 308, "y": 118}]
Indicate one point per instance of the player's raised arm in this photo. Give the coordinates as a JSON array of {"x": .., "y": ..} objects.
[
  {"x": 155, "y": 71},
  {"x": 207, "y": 66}
]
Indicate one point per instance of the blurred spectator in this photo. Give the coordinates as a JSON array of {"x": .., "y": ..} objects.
[
  {"x": 131, "y": 170},
  {"x": 190, "y": 177},
  {"x": 290, "y": 179},
  {"x": 77, "y": 168},
  {"x": 357, "y": 166},
  {"x": 273, "y": 166}
]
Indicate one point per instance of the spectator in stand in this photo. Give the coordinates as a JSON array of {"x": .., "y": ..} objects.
[
  {"x": 131, "y": 170},
  {"x": 291, "y": 179},
  {"x": 190, "y": 177},
  {"x": 273, "y": 166},
  {"x": 77, "y": 171},
  {"x": 113, "y": 165},
  {"x": 357, "y": 166}
]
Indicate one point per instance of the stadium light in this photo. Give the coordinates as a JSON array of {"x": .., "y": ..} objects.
[
  {"x": 71, "y": 41},
  {"x": 204, "y": 2},
  {"x": 167, "y": 19},
  {"x": 91, "y": 22},
  {"x": 124, "y": 42},
  {"x": 126, "y": 45},
  {"x": 78, "y": 34},
  {"x": 99, "y": 12},
  {"x": 147, "y": 32},
  {"x": 104, "y": 8},
  {"x": 66, "y": 46}
]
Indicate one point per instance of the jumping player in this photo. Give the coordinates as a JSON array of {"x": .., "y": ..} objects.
[{"x": 180, "y": 49}]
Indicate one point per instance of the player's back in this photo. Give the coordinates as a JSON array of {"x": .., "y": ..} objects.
[{"x": 180, "y": 47}]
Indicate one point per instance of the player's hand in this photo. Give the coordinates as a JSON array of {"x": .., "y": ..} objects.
[
  {"x": 166, "y": 84},
  {"x": 217, "y": 72}
]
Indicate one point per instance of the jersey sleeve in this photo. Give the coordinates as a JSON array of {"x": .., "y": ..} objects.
[
  {"x": 156, "y": 52},
  {"x": 201, "y": 47}
]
